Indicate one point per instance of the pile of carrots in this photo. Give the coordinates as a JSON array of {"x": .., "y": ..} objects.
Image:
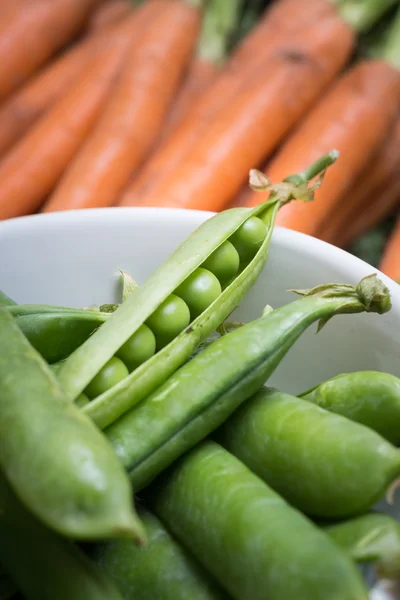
[{"x": 172, "y": 102}]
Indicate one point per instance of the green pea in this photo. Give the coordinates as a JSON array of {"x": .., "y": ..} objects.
[
  {"x": 140, "y": 347},
  {"x": 324, "y": 464},
  {"x": 112, "y": 372},
  {"x": 199, "y": 290},
  {"x": 223, "y": 262},
  {"x": 169, "y": 319},
  {"x": 249, "y": 237}
]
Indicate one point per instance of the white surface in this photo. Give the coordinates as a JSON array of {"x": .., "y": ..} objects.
[{"x": 73, "y": 258}]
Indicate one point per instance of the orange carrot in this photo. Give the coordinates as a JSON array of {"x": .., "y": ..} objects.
[
  {"x": 390, "y": 261},
  {"x": 110, "y": 13},
  {"x": 272, "y": 36},
  {"x": 249, "y": 128},
  {"x": 371, "y": 199},
  {"x": 31, "y": 169},
  {"x": 30, "y": 102},
  {"x": 135, "y": 112},
  {"x": 34, "y": 34}
]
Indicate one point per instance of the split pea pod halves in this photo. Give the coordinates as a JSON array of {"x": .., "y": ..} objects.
[
  {"x": 46, "y": 565},
  {"x": 322, "y": 463},
  {"x": 243, "y": 233},
  {"x": 247, "y": 536},
  {"x": 58, "y": 463},
  {"x": 202, "y": 394},
  {"x": 162, "y": 570},
  {"x": 368, "y": 397}
]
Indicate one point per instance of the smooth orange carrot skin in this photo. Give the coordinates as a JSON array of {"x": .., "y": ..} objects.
[
  {"x": 243, "y": 134},
  {"x": 372, "y": 198},
  {"x": 274, "y": 34},
  {"x": 35, "y": 33},
  {"x": 390, "y": 261},
  {"x": 202, "y": 73},
  {"x": 134, "y": 114},
  {"x": 31, "y": 169},
  {"x": 110, "y": 13},
  {"x": 354, "y": 117}
]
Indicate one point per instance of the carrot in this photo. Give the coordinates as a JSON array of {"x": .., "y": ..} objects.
[
  {"x": 135, "y": 112},
  {"x": 34, "y": 34},
  {"x": 354, "y": 117},
  {"x": 110, "y": 13},
  {"x": 31, "y": 169},
  {"x": 390, "y": 261},
  {"x": 218, "y": 23},
  {"x": 255, "y": 121},
  {"x": 371, "y": 199}
]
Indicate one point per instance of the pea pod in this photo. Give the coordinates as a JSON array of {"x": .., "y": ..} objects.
[
  {"x": 82, "y": 366},
  {"x": 5, "y": 300},
  {"x": 373, "y": 537},
  {"x": 162, "y": 570},
  {"x": 322, "y": 463},
  {"x": 247, "y": 536},
  {"x": 202, "y": 394},
  {"x": 57, "y": 461},
  {"x": 45, "y": 565},
  {"x": 368, "y": 397}
]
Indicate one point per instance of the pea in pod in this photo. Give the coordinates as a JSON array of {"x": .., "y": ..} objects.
[
  {"x": 162, "y": 569},
  {"x": 373, "y": 537},
  {"x": 322, "y": 463},
  {"x": 172, "y": 278},
  {"x": 203, "y": 393},
  {"x": 57, "y": 461},
  {"x": 246, "y": 535},
  {"x": 368, "y": 397},
  {"x": 45, "y": 565}
]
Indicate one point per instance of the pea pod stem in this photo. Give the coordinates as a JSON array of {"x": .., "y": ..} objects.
[{"x": 165, "y": 425}]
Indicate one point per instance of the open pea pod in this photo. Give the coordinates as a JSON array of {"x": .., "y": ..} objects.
[{"x": 83, "y": 364}]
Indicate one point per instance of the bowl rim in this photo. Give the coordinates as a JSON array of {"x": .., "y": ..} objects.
[{"x": 290, "y": 239}]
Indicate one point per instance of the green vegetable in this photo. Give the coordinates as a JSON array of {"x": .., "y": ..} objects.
[
  {"x": 85, "y": 362},
  {"x": 112, "y": 372},
  {"x": 140, "y": 347},
  {"x": 247, "y": 536},
  {"x": 57, "y": 461},
  {"x": 373, "y": 537},
  {"x": 5, "y": 300},
  {"x": 368, "y": 397},
  {"x": 223, "y": 262},
  {"x": 162, "y": 570},
  {"x": 249, "y": 237},
  {"x": 199, "y": 290},
  {"x": 198, "y": 397},
  {"x": 169, "y": 319},
  {"x": 45, "y": 565},
  {"x": 322, "y": 463}
]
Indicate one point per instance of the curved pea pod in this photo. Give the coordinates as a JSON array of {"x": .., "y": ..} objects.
[
  {"x": 45, "y": 565},
  {"x": 368, "y": 397},
  {"x": 246, "y": 535},
  {"x": 58, "y": 463},
  {"x": 55, "y": 335},
  {"x": 162, "y": 570},
  {"x": 202, "y": 394},
  {"x": 322, "y": 463},
  {"x": 373, "y": 537},
  {"x": 80, "y": 368}
]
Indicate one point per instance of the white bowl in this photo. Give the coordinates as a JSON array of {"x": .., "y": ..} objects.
[{"x": 72, "y": 259}]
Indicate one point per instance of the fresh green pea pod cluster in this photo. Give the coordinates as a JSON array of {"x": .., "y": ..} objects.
[
  {"x": 368, "y": 397},
  {"x": 202, "y": 394},
  {"x": 57, "y": 461},
  {"x": 163, "y": 569},
  {"x": 46, "y": 565},
  {"x": 248, "y": 537},
  {"x": 324, "y": 464}
]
